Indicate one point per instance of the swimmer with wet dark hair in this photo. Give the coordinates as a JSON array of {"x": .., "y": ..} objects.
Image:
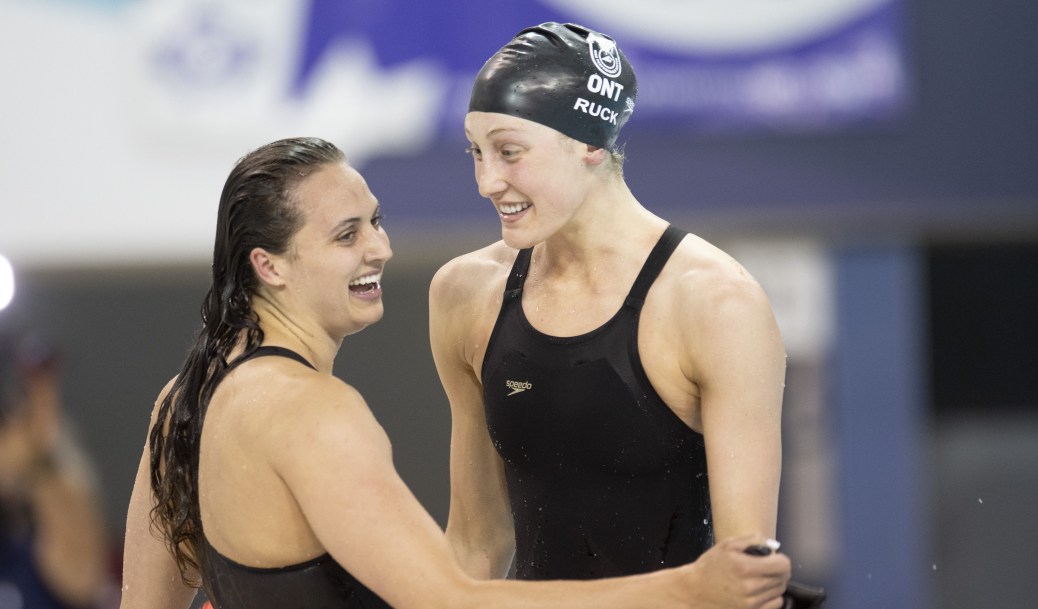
[
  {"x": 615, "y": 382},
  {"x": 267, "y": 480}
]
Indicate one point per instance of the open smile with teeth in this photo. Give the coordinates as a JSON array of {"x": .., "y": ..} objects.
[
  {"x": 366, "y": 283},
  {"x": 511, "y": 208}
]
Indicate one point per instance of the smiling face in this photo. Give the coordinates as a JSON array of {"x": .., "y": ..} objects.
[
  {"x": 334, "y": 262},
  {"x": 537, "y": 178}
]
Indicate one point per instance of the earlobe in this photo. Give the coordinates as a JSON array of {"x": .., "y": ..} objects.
[
  {"x": 266, "y": 267},
  {"x": 595, "y": 155}
]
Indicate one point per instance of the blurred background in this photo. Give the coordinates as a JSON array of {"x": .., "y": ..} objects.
[{"x": 874, "y": 163}]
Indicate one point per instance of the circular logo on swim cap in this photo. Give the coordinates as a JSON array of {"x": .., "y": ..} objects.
[{"x": 604, "y": 55}]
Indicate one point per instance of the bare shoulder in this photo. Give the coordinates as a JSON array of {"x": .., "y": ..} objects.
[
  {"x": 314, "y": 398},
  {"x": 470, "y": 275},
  {"x": 296, "y": 416},
  {"x": 161, "y": 398},
  {"x": 165, "y": 391},
  {"x": 711, "y": 315},
  {"x": 708, "y": 286},
  {"x": 464, "y": 299},
  {"x": 270, "y": 397}
]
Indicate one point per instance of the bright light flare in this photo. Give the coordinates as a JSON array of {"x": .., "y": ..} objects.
[{"x": 6, "y": 283}]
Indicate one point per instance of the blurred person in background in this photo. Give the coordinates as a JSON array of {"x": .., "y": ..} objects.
[
  {"x": 54, "y": 549},
  {"x": 287, "y": 496},
  {"x": 597, "y": 358}
]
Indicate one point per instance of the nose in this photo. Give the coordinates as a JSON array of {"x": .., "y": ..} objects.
[
  {"x": 379, "y": 250},
  {"x": 488, "y": 179}
]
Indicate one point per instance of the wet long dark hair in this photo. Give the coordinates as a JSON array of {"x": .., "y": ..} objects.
[{"x": 257, "y": 209}]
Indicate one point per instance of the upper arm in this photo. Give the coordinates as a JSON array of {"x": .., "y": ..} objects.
[
  {"x": 739, "y": 368},
  {"x": 479, "y": 525},
  {"x": 150, "y": 575},
  {"x": 337, "y": 462}
]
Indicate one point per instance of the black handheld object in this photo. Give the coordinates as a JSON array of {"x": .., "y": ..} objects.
[
  {"x": 797, "y": 595},
  {"x": 759, "y": 550},
  {"x": 802, "y": 596}
]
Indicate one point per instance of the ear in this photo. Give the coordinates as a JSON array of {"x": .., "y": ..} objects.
[
  {"x": 267, "y": 267},
  {"x": 595, "y": 156}
]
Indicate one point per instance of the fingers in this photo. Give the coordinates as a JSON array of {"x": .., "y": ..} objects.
[
  {"x": 768, "y": 593},
  {"x": 762, "y": 564},
  {"x": 730, "y": 577},
  {"x": 754, "y": 543}
]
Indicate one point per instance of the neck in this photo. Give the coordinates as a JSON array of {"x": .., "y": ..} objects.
[
  {"x": 282, "y": 329},
  {"x": 609, "y": 223}
]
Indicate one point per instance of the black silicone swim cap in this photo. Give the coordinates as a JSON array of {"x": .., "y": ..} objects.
[{"x": 566, "y": 77}]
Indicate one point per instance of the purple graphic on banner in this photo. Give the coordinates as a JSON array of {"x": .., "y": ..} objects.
[
  {"x": 458, "y": 37},
  {"x": 852, "y": 73},
  {"x": 209, "y": 50}
]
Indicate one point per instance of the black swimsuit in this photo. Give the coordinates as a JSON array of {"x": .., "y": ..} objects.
[
  {"x": 319, "y": 583},
  {"x": 603, "y": 478}
]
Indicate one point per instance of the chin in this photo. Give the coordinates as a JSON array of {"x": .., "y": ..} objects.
[
  {"x": 359, "y": 322},
  {"x": 518, "y": 239}
]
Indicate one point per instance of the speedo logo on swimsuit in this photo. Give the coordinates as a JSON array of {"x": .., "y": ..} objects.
[{"x": 518, "y": 386}]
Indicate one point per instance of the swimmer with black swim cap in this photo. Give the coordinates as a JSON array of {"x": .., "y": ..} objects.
[
  {"x": 567, "y": 77},
  {"x": 549, "y": 81},
  {"x": 596, "y": 358}
]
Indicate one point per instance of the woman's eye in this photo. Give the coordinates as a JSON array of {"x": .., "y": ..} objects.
[
  {"x": 377, "y": 219},
  {"x": 475, "y": 152}
]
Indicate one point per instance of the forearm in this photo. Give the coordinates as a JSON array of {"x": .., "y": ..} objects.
[
  {"x": 482, "y": 556},
  {"x": 724, "y": 576},
  {"x": 658, "y": 590},
  {"x": 480, "y": 529}
]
